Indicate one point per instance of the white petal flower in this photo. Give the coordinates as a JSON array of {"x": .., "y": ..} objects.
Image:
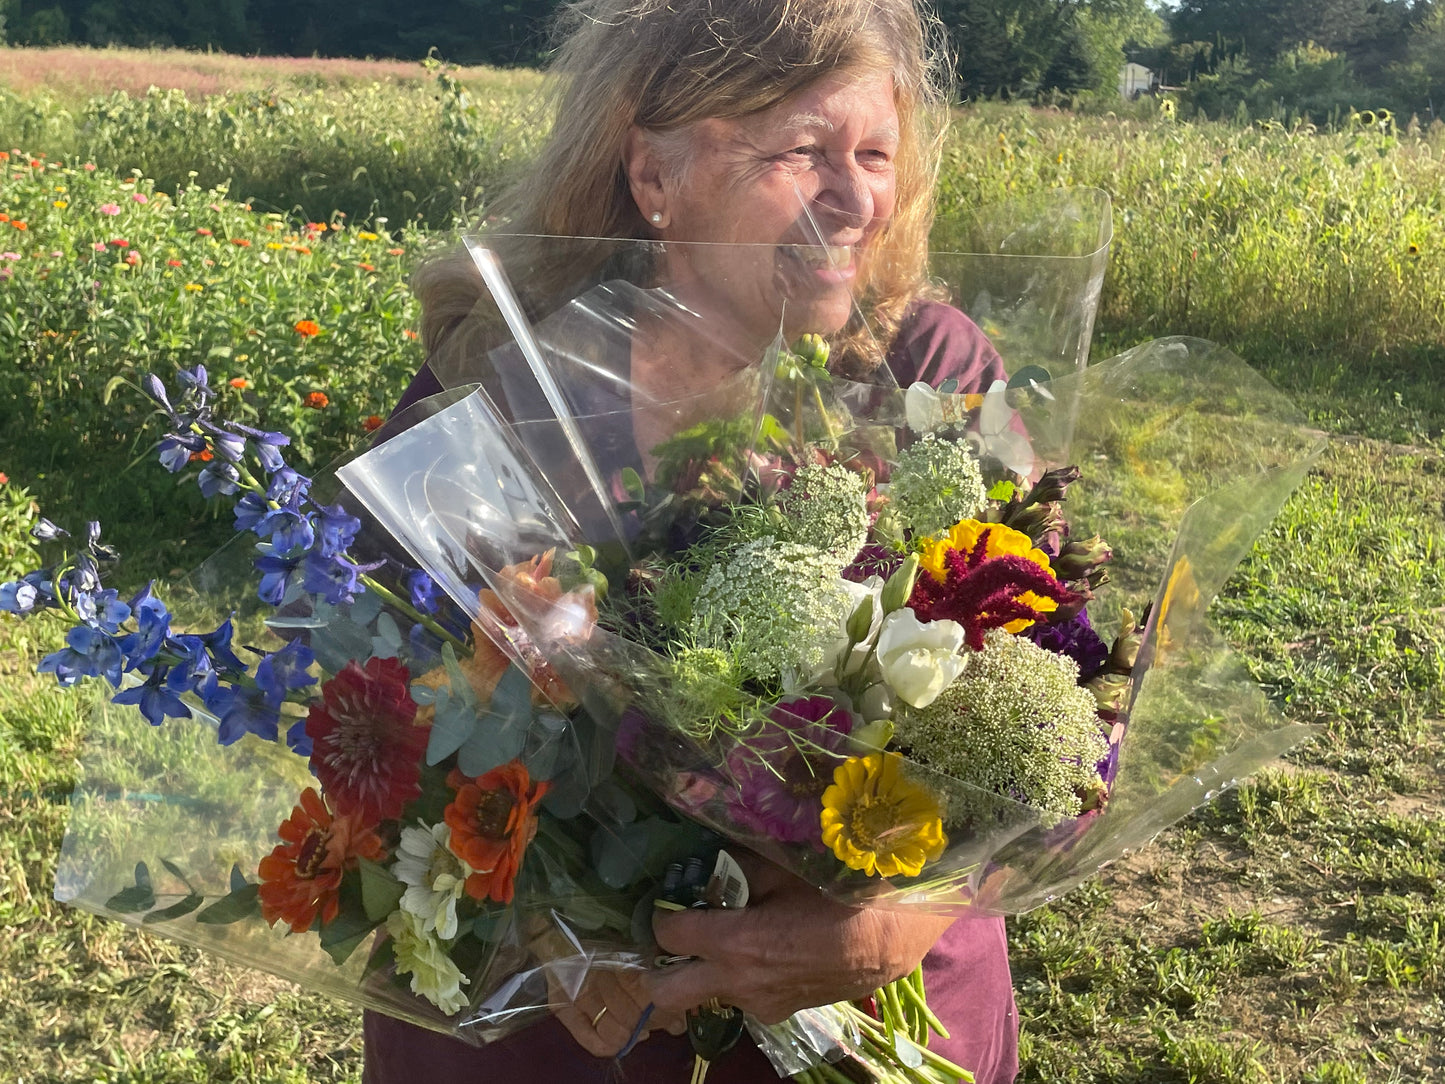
[
  {"x": 434, "y": 876},
  {"x": 919, "y": 659},
  {"x": 419, "y": 954}
]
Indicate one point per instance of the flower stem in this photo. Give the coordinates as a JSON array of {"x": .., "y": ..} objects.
[{"x": 388, "y": 595}]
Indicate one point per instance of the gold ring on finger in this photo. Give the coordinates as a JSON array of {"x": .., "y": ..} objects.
[{"x": 600, "y": 1013}]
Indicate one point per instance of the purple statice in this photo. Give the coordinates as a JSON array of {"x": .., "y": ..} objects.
[
  {"x": 1075, "y": 638},
  {"x": 780, "y": 774}
]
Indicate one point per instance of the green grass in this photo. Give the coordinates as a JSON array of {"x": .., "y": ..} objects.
[{"x": 1288, "y": 932}]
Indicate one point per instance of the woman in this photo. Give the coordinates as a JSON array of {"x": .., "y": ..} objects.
[{"x": 804, "y": 135}]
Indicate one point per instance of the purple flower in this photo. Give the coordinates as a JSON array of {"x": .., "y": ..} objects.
[
  {"x": 218, "y": 476},
  {"x": 240, "y": 709},
  {"x": 337, "y": 529},
  {"x": 22, "y": 595},
  {"x": 177, "y": 448},
  {"x": 873, "y": 560},
  {"x": 284, "y": 670},
  {"x": 45, "y": 531},
  {"x": 102, "y": 610},
  {"x": 88, "y": 652},
  {"x": 1073, "y": 637},
  {"x": 153, "y": 625},
  {"x": 423, "y": 590},
  {"x": 290, "y": 531},
  {"x": 335, "y": 579},
  {"x": 782, "y": 772},
  {"x": 288, "y": 489},
  {"x": 277, "y": 571},
  {"x": 156, "y": 699}
]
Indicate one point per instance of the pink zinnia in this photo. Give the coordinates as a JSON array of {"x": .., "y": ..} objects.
[
  {"x": 781, "y": 773},
  {"x": 140, "y": 197},
  {"x": 110, "y": 208}
]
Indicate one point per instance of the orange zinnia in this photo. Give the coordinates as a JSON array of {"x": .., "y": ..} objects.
[
  {"x": 306, "y": 328},
  {"x": 301, "y": 878},
  {"x": 317, "y": 400},
  {"x": 243, "y": 242},
  {"x": 372, "y": 423},
  {"x": 579, "y": 608},
  {"x": 493, "y": 819},
  {"x": 239, "y": 382}
]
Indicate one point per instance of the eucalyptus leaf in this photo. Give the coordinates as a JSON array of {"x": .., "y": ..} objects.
[
  {"x": 340, "y": 642},
  {"x": 364, "y": 608},
  {"x": 452, "y": 725},
  {"x": 611, "y": 804},
  {"x": 386, "y": 644},
  {"x": 549, "y": 748},
  {"x": 175, "y": 871},
  {"x": 238, "y": 879},
  {"x": 460, "y": 686}
]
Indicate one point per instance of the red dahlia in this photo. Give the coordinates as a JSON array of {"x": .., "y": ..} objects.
[{"x": 366, "y": 746}]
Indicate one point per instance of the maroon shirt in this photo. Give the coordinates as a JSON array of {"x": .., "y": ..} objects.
[{"x": 967, "y": 972}]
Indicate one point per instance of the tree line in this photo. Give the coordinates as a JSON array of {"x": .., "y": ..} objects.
[{"x": 1254, "y": 58}]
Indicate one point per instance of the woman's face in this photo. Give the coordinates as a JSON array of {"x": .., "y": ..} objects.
[{"x": 803, "y": 188}]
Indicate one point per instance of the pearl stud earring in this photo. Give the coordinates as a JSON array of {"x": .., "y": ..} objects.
[{"x": 657, "y": 218}]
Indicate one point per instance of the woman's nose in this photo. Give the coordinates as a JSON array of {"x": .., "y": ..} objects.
[{"x": 846, "y": 194}]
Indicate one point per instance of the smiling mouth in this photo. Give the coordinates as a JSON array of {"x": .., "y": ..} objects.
[{"x": 822, "y": 257}]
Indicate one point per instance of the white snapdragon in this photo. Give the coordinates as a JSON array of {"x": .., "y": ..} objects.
[{"x": 919, "y": 659}]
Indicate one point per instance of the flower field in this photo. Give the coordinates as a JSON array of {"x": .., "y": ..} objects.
[{"x": 1289, "y": 932}]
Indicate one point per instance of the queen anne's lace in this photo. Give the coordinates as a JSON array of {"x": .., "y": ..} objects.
[
  {"x": 826, "y": 507},
  {"x": 1016, "y": 723},
  {"x": 779, "y": 607},
  {"x": 937, "y": 483}
]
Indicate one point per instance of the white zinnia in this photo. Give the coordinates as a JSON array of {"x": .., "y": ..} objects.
[
  {"x": 419, "y": 954},
  {"x": 434, "y": 876},
  {"x": 919, "y": 659}
]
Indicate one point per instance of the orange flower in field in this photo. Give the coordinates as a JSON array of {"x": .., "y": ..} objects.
[
  {"x": 366, "y": 267},
  {"x": 4, "y": 218},
  {"x": 20, "y": 225},
  {"x": 173, "y": 263},
  {"x": 396, "y": 252},
  {"x": 301, "y": 249},
  {"x": 4, "y": 156},
  {"x": 201, "y": 231},
  {"x": 301, "y": 878},
  {"x": 307, "y": 328},
  {"x": 4, "y": 478},
  {"x": 372, "y": 423},
  {"x": 240, "y": 383},
  {"x": 243, "y": 242},
  {"x": 493, "y": 819},
  {"x": 132, "y": 258},
  {"x": 409, "y": 333},
  {"x": 317, "y": 400}
]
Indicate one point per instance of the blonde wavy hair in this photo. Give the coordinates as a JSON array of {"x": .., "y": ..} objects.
[{"x": 663, "y": 65}]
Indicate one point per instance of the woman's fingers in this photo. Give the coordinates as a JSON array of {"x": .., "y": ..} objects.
[{"x": 605, "y": 1013}]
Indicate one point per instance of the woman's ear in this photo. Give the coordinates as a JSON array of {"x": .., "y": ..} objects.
[{"x": 645, "y": 176}]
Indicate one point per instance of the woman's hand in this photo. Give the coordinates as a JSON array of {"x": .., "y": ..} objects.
[
  {"x": 791, "y": 948},
  {"x": 607, "y": 1009}
]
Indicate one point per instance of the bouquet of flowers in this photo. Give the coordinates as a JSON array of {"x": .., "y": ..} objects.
[{"x": 477, "y": 690}]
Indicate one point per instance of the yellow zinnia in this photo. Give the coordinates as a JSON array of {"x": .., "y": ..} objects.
[
  {"x": 1002, "y": 542},
  {"x": 877, "y": 821}
]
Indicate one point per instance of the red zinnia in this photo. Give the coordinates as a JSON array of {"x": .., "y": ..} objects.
[
  {"x": 120, "y": 242},
  {"x": 173, "y": 263},
  {"x": 4, "y": 478},
  {"x": 493, "y": 819},
  {"x": 372, "y": 423},
  {"x": 301, "y": 878},
  {"x": 366, "y": 746},
  {"x": 317, "y": 400},
  {"x": 306, "y": 328}
]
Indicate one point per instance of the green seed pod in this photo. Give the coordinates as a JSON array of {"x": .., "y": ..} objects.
[{"x": 861, "y": 620}]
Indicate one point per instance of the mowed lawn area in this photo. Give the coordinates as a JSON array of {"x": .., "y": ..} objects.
[{"x": 1290, "y": 931}]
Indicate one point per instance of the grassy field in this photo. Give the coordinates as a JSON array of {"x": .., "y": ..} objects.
[{"x": 1291, "y": 931}]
